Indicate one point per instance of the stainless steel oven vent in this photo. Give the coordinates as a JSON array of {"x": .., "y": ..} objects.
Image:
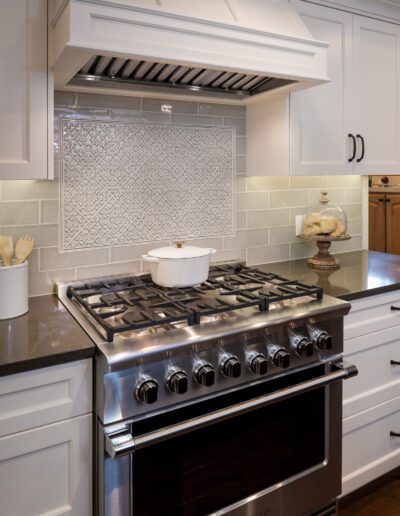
[{"x": 136, "y": 75}]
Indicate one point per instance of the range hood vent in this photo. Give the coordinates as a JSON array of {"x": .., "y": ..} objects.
[
  {"x": 232, "y": 50},
  {"x": 135, "y": 75}
]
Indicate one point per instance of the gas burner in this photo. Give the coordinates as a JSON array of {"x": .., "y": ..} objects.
[{"x": 134, "y": 305}]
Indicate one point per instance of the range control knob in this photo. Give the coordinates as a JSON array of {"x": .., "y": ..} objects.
[
  {"x": 147, "y": 391},
  {"x": 301, "y": 344},
  {"x": 231, "y": 367},
  {"x": 280, "y": 357},
  {"x": 259, "y": 364},
  {"x": 205, "y": 375},
  {"x": 320, "y": 338},
  {"x": 178, "y": 382}
]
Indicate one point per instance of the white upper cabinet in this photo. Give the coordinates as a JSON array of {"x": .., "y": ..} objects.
[
  {"x": 350, "y": 125},
  {"x": 25, "y": 92},
  {"x": 321, "y": 118},
  {"x": 376, "y": 94}
]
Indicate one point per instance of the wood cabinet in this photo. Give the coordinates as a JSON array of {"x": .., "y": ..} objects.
[
  {"x": 46, "y": 441},
  {"x": 350, "y": 125},
  {"x": 26, "y": 92},
  {"x": 377, "y": 223},
  {"x": 384, "y": 222},
  {"x": 371, "y": 400},
  {"x": 392, "y": 203}
]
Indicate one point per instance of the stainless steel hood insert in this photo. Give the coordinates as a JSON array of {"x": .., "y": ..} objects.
[{"x": 134, "y": 75}]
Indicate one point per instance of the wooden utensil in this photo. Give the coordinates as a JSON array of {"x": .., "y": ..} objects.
[
  {"x": 6, "y": 249},
  {"x": 23, "y": 249}
]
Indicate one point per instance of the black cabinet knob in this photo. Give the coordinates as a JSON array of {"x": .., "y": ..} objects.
[
  {"x": 147, "y": 391},
  {"x": 205, "y": 375},
  {"x": 231, "y": 367},
  {"x": 178, "y": 382},
  {"x": 281, "y": 359},
  {"x": 259, "y": 364}
]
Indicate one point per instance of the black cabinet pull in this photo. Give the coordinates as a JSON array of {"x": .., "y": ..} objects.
[
  {"x": 394, "y": 434},
  {"x": 394, "y": 362},
  {"x": 387, "y": 200},
  {"x": 395, "y": 308},
  {"x": 362, "y": 148},
  {"x": 381, "y": 200},
  {"x": 354, "y": 147}
]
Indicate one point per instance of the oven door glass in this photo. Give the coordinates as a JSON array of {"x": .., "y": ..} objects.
[{"x": 210, "y": 468}]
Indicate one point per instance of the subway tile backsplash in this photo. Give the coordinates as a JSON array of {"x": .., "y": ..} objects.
[{"x": 265, "y": 206}]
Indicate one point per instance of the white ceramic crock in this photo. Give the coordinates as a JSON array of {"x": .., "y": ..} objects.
[
  {"x": 13, "y": 290},
  {"x": 179, "y": 266}
]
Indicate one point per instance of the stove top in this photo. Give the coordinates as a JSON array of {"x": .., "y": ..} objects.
[{"x": 133, "y": 305}]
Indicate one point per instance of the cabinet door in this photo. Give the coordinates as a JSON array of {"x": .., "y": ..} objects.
[
  {"x": 377, "y": 227},
  {"x": 376, "y": 47},
  {"x": 393, "y": 224},
  {"x": 48, "y": 470},
  {"x": 321, "y": 117},
  {"x": 23, "y": 90}
]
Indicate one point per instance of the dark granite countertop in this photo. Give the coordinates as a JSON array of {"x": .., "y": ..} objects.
[
  {"x": 49, "y": 335},
  {"x": 362, "y": 274},
  {"x": 45, "y": 336}
]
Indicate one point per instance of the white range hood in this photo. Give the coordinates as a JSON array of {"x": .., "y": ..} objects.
[{"x": 227, "y": 50}]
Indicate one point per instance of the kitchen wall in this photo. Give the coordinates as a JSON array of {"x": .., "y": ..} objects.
[{"x": 265, "y": 206}]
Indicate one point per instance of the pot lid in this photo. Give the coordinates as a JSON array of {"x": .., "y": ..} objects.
[{"x": 179, "y": 250}]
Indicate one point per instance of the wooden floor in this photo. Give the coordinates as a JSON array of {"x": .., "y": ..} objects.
[{"x": 385, "y": 501}]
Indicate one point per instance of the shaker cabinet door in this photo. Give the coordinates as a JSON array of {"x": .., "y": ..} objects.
[
  {"x": 24, "y": 90},
  {"x": 376, "y": 94},
  {"x": 377, "y": 226},
  {"x": 48, "y": 470},
  {"x": 321, "y": 116},
  {"x": 392, "y": 223}
]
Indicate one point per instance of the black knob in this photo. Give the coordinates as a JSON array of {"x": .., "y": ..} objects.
[
  {"x": 281, "y": 359},
  {"x": 259, "y": 364},
  {"x": 327, "y": 341},
  {"x": 147, "y": 391},
  {"x": 232, "y": 367},
  {"x": 321, "y": 338},
  {"x": 305, "y": 348},
  {"x": 205, "y": 375},
  {"x": 178, "y": 382}
]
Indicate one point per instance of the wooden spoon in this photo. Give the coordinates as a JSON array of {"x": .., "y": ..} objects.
[
  {"x": 6, "y": 249},
  {"x": 23, "y": 249}
]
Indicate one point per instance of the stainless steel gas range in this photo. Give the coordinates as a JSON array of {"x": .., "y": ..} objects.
[{"x": 224, "y": 398}]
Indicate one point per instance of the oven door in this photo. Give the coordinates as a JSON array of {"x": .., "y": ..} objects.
[{"x": 273, "y": 448}]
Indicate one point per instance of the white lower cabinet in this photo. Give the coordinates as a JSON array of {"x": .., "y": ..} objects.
[
  {"x": 371, "y": 401},
  {"x": 46, "y": 441},
  {"x": 47, "y": 470}
]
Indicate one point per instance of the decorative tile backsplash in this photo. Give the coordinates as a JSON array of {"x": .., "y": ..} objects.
[
  {"x": 135, "y": 182},
  {"x": 265, "y": 207}
]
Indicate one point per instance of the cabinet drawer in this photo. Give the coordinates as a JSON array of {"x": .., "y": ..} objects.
[
  {"x": 43, "y": 396},
  {"x": 48, "y": 471},
  {"x": 369, "y": 450},
  {"x": 378, "y": 380},
  {"x": 372, "y": 314}
]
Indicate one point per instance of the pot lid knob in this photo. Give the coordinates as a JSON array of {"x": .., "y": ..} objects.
[{"x": 179, "y": 244}]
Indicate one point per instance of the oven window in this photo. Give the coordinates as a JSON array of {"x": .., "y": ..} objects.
[{"x": 208, "y": 469}]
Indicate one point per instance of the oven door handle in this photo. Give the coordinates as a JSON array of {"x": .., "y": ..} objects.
[{"x": 119, "y": 441}]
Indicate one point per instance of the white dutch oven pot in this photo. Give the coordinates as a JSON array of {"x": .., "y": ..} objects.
[{"x": 179, "y": 265}]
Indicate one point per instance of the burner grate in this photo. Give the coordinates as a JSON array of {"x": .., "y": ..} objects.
[{"x": 135, "y": 303}]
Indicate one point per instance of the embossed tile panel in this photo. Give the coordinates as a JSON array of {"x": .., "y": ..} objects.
[{"x": 129, "y": 182}]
